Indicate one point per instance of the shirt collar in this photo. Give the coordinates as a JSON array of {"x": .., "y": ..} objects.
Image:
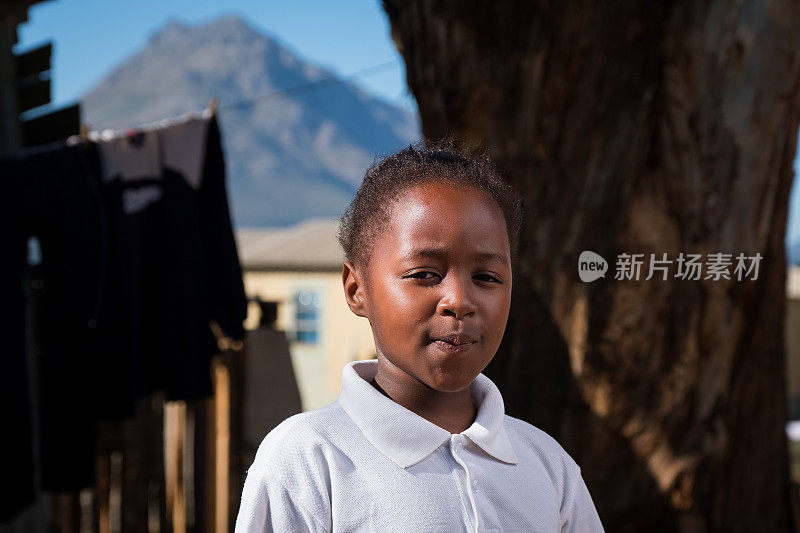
[{"x": 405, "y": 437}]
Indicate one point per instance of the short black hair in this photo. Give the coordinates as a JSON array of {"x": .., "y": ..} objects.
[{"x": 388, "y": 178}]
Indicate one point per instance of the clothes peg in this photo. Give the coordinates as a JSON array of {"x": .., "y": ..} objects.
[{"x": 84, "y": 133}]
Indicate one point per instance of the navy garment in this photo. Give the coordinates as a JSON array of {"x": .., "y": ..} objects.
[
  {"x": 173, "y": 257},
  {"x": 203, "y": 271},
  {"x": 51, "y": 193},
  {"x": 127, "y": 336},
  {"x": 18, "y": 490}
]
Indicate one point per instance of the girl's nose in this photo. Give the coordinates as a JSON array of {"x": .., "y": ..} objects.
[{"x": 457, "y": 299}]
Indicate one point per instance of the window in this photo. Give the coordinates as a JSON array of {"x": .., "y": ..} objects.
[{"x": 308, "y": 309}]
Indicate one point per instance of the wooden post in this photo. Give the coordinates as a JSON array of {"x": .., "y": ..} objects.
[
  {"x": 156, "y": 487},
  {"x": 67, "y": 512},
  {"x": 228, "y": 398},
  {"x": 135, "y": 479},
  {"x": 108, "y": 477},
  {"x": 204, "y": 465},
  {"x": 235, "y": 358},
  {"x": 174, "y": 433},
  {"x": 222, "y": 442},
  {"x": 102, "y": 483}
]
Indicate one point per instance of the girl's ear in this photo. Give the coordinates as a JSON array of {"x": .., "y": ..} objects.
[{"x": 352, "y": 281}]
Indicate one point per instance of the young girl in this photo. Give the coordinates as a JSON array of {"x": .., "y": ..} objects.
[{"x": 418, "y": 439}]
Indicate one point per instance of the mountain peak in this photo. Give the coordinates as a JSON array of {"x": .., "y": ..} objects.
[
  {"x": 233, "y": 29},
  {"x": 289, "y": 157},
  {"x": 170, "y": 35},
  {"x": 230, "y": 23},
  {"x": 171, "y": 29}
]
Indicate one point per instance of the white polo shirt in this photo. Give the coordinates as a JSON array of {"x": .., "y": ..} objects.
[{"x": 366, "y": 463}]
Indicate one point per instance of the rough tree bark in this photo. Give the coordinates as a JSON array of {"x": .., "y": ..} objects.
[{"x": 635, "y": 127}]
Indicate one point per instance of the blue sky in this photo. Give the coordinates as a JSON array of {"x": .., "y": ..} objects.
[{"x": 91, "y": 37}]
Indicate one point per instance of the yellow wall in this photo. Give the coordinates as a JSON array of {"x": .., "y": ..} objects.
[{"x": 344, "y": 337}]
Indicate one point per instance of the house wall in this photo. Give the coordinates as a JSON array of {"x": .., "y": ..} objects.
[{"x": 342, "y": 336}]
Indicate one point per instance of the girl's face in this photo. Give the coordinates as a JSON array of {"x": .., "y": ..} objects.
[{"x": 439, "y": 289}]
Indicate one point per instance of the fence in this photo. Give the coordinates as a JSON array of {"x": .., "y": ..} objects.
[{"x": 175, "y": 467}]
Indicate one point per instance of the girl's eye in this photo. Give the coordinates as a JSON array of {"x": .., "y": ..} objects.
[
  {"x": 423, "y": 275},
  {"x": 488, "y": 277}
]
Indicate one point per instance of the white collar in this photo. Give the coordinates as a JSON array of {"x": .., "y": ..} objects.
[{"x": 405, "y": 437}]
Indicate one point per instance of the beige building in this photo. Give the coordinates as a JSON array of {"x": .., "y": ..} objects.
[{"x": 300, "y": 267}]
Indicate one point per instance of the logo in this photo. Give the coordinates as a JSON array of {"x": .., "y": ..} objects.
[
  {"x": 687, "y": 266},
  {"x": 591, "y": 266}
]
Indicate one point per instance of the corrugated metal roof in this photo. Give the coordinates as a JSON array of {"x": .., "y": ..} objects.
[{"x": 309, "y": 246}]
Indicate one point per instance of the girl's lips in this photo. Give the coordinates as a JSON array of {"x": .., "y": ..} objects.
[{"x": 453, "y": 348}]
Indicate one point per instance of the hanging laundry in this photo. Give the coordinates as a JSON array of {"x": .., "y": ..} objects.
[
  {"x": 138, "y": 258},
  {"x": 173, "y": 256},
  {"x": 50, "y": 193}
]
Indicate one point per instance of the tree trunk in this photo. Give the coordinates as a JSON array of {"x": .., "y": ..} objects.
[{"x": 636, "y": 127}]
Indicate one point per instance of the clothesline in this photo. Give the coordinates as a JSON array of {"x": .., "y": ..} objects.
[
  {"x": 308, "y": 87},
  {"x": 108, "y": 134}
]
